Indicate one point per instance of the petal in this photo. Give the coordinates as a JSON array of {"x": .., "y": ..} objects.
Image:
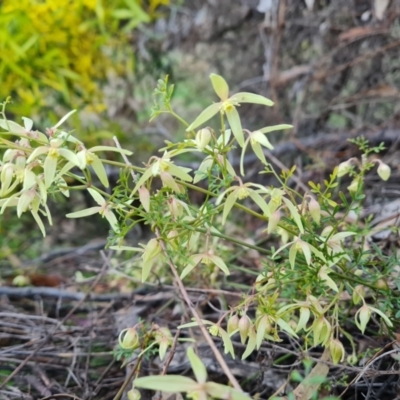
[
  {"x": 98, "y": 198},
  {"x": 110, "y": 148},
  {"x": 12, "y": 127},
  {"x": 180, "y": 172},
  {"x": 295, "y": 214},
  {"x": 167, "y": 383},
  {"x": 251, "y": 344},
  {"x": 50, "y": 166},
  {"x": 193, "y": 262},
  {"x": 168, "y": 181},
  {"x": 260, "y": 202},
  {"x": 84, "y": 213},
  {"x": 28, "y": 123},
  {"x": 242, "y": 156},
  {"x": 259, "y": 137},
  {"x": 258, "y": 151},
  {"x": 146, "y": 175},
  {"x": 100, "y": 171},
  {"x": 219, "y": 262},
  {"x": 235, "y": 124},
  {"x": 37, "y": 152},
  {"x": 29, "y": 179},
  {"x": 251, "y": 98},
  {"x": 112, "y": 219},
  {"x": 292, "y": 255},
  {"x": 69, "y": 155},
  {"x": 224, "y": 392},
  {"x": 207, "y": 114},
  {"x": 63, "y": 119},
  {"x": 220, "y": 86},
  {"x": 275, "y": 128},
  {"x": 229, "y": 202},
  {"x": 197, "y": 365},
  {"x": 39, "y": 222},
  {"x": 24, "y": 201}
]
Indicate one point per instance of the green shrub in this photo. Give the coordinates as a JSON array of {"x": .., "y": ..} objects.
[
  {"x": 321, "y": 274},
  {"x": 58, "y": 52}
]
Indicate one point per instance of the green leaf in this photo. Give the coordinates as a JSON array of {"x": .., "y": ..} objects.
[
  {"x": 167, "y": 383},
  {"x": 251, "y": 98},
  {"x": 220, "y": 86}
]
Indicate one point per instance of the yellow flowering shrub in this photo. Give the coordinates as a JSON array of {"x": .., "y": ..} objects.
[{"x": 58, "y": 51}]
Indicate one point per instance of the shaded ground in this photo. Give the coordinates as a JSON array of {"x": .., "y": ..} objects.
[{"x": 333, "y": 73}]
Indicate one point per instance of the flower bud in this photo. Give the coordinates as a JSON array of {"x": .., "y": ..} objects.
[
  {"x": 244, "y": 327},
  {"x": 144, "y": 197},
  {"x": 362, "y": 317},
  {"x": 175, "y": 207},
  {"x": 358, "y": 294},
  {"x": 129, "y": 339},
  {"x": 322, "y": 331},
  {"x": 315, "y": 210},
  {"x": 344, "y": 168},
  {"x": 384, "y": 171},
  {"x": 382, "y": 284},
  {"x": 203, "y": 137},
  {"x": 133, "y": 394},
  {"x": 337, "y": 350},
  {"x": 233, "y": 324},
  {"x": 273, "y": 221},
  {"x": 353, "y": 186}
]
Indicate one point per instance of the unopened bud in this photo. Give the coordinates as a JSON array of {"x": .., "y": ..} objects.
[
  {"x": 244, "y": 327},
  {"x": 315, "y": 210},
  {"x": 134, "y": 394},
  {"x": 233, "y": 324},
  {"x": 273, "y": 221},
  {"x": 344, "y": 168},
  {"x": 203, "y": 137},
  {"x": 362, "y": 317},
  {"x": 384, "y": 171},
  {"x": 358, "y": 294},
  {"x": 322, "y": 331},
  {"x": 129, "y": 338},
  {"x": 382, "y": 284},
  {"x": 353, "y": 186},
  {"x": 144, "y": 197},
  {"x": 175, "y": 207},
  {"x": 337, "y": 350}
]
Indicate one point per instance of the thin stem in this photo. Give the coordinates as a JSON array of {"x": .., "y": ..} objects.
[{"x": 195, "y": 314}]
